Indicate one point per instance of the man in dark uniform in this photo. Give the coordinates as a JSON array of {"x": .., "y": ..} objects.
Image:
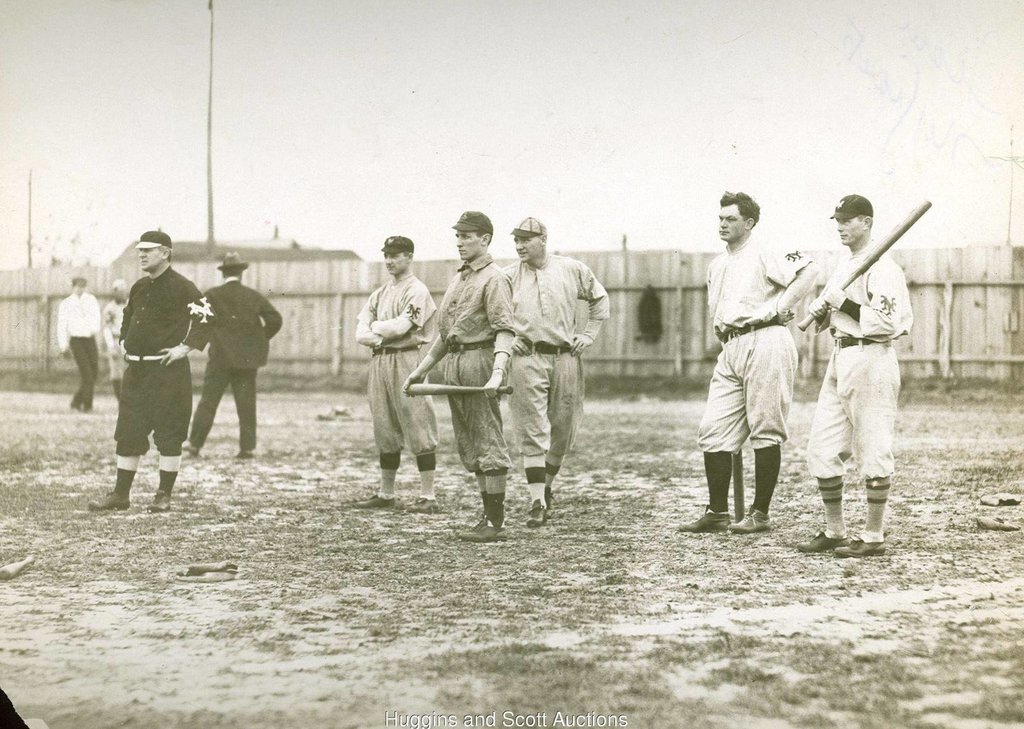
[
  {"x": 166, "y": 317},
  {"x": 239, "y": 343}
]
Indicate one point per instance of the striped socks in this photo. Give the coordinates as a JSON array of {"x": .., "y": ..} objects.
[
  {"x": 878, "y": 496},
  {"x": 832, "y": 498}
]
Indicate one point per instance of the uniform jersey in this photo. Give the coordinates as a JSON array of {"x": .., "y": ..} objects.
[
  {"x": 407, "y": 298},
  {"x": 477, "y": 304},
  {"x": 885, "y": 312},
  {"x": 545, "y": 299},
  {"x": 744, "y": 285},
  {"x": 164, "y": 312},
  {"x": 113, "y": 316}
]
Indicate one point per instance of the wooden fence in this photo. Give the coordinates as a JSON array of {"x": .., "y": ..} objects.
[{"x": 968, "y": 304}]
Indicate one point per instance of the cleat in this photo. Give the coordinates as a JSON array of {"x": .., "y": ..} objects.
[
  {"x": 192, "y": 450},
  {"x": 859, "y": 548},
  {"x": 538, "y": 515},
  {"x": 710, "y": 522},
  {"x": 821, "y": 543},
  {"x": 161, "y": 504},
  {"x": 245, "y": 455},
  {"x": 111, "y": 502},
  {"x": 425, "y": 506},
  {"x": 486, "y": 535},
  {"x": 374, "y": 502},
  {"x": 754, "y": 521}
]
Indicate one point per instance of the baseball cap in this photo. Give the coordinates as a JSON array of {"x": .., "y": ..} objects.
[
  {"x": 473, "y": 220},
  {"x": 851, "y": 206},
  {"x": 154, "y": 239},
  {"x": 398, "y": 244},
  {"x": 529, "y": 228}
]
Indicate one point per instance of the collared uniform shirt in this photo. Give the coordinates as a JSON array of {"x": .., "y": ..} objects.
[
  {"x": 477, "y": 304},
  {"x": 744, "y": 285},
  {"x": 545, "y": 300},
  {"x": 164, "y": 312},
  {"x": 77, "y": 316},
  {"x": 113, "y": 316},
  {"x": 885, "y": 312},
  {"x": 407, "y": 298}
]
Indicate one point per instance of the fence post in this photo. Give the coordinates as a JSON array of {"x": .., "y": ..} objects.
[
  {"x": 945, "y": 335},
  {"x": 337, "y": 311}
]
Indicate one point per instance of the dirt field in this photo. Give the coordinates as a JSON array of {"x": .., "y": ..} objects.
[{"x": 339, "y": 616}]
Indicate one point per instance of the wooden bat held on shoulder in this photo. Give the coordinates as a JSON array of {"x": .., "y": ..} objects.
[
  {"x": 424, "y": 389},
  {"x": 877, "y": 252}
]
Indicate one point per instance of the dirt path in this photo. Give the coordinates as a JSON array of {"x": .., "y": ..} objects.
[{"x": 339, "y": 616}]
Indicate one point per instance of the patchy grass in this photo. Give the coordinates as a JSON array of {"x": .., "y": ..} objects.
[{"x": 339, "y": 615}]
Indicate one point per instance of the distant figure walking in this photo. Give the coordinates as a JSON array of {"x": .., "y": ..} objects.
[{"x": 78, "y": 323}]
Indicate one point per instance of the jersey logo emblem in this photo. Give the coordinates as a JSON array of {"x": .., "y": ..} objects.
[
  {"x": 414, "y": 313},
  {"x": 201, "y": 309},
  {"x": 794, "y": 256},
  {"x": 887, "y": 304}
]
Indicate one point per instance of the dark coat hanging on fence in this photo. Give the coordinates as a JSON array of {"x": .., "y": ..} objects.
[{"x": 649, "y": 312}]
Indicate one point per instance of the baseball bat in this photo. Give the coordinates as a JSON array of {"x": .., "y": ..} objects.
[
  {"x": 737, "y": 485},
  {"x": 415, "y": 390},
  {"x": 877, "y": 252}
]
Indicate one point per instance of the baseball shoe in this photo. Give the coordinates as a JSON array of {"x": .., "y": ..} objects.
[
  {"x": 245, "y": 455},
  {"x": 821, "y": 543},
  {"x": 425, "y": 506},
  {"x": 192, "y": 450},
  {"x": 374, "y": 502},
  {"x": 111, "y": 502},
  {"x": 858, "y": 548},
  {"x": 753, "y": 521},
  {"x": 486, "y": 535},
  {"x": 538, "y": 515},
  {"x": 711, "y": 522},
  {"x": 161, "y": 504}
]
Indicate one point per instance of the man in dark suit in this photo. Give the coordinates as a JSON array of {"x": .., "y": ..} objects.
[{"x": 239, "y": 344}]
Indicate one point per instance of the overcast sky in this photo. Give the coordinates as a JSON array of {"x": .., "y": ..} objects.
[{"x": 346, "y": 122}]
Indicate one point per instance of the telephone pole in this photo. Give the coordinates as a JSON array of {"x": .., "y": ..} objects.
[
  {"x": 209, "y": 145},
  {"x": 29, "y": 244},
  {"x": 1014, "y": 162}
]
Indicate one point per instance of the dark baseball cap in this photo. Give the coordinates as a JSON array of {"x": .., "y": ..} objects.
[
  {"x": 398, "y": 244},
  {"x": 473, "y": 220},
  {"x": 851, "y": 206},
  {"x": 154, "y": 239}
]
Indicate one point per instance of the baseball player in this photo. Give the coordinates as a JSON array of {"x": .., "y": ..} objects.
[
  {"x": 78, "y": 323},
  {"x": 113, "y": 314},
  {"x": 239, "y": 344},
  {"x": 396, "y": 321},
  {"x": 475, "y": 334},
  {"x": 547, "y": 371},
  {"x": 856, "y": 412},
  {"x": 165, "y": 318},
  {"x": 752, "y": 289}
]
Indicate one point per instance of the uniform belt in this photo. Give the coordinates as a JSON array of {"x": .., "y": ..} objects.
[
  {"x": 545, "y": 348},
  {"x": 392, "y": 350},
  {"x": 144, "y": 357},
  {"x": 843, "y": 342},
  {"x": 733, "y": 333},
  {"x": 465, "y": 347}
]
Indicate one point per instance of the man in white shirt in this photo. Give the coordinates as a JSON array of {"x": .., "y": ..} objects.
[{"x": 78, "y": 323}]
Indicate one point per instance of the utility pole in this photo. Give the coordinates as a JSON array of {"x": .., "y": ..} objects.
[
  {"x": 1014, "y": 162},
  {"x": 209, "y": 146},
  {"x": 30, "y": 219}
]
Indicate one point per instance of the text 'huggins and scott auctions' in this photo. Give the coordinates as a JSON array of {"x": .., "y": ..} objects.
[{"x": 504, "y": 719}]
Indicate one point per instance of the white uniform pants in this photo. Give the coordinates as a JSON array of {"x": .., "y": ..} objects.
[{"x": 856, "y": 413}]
